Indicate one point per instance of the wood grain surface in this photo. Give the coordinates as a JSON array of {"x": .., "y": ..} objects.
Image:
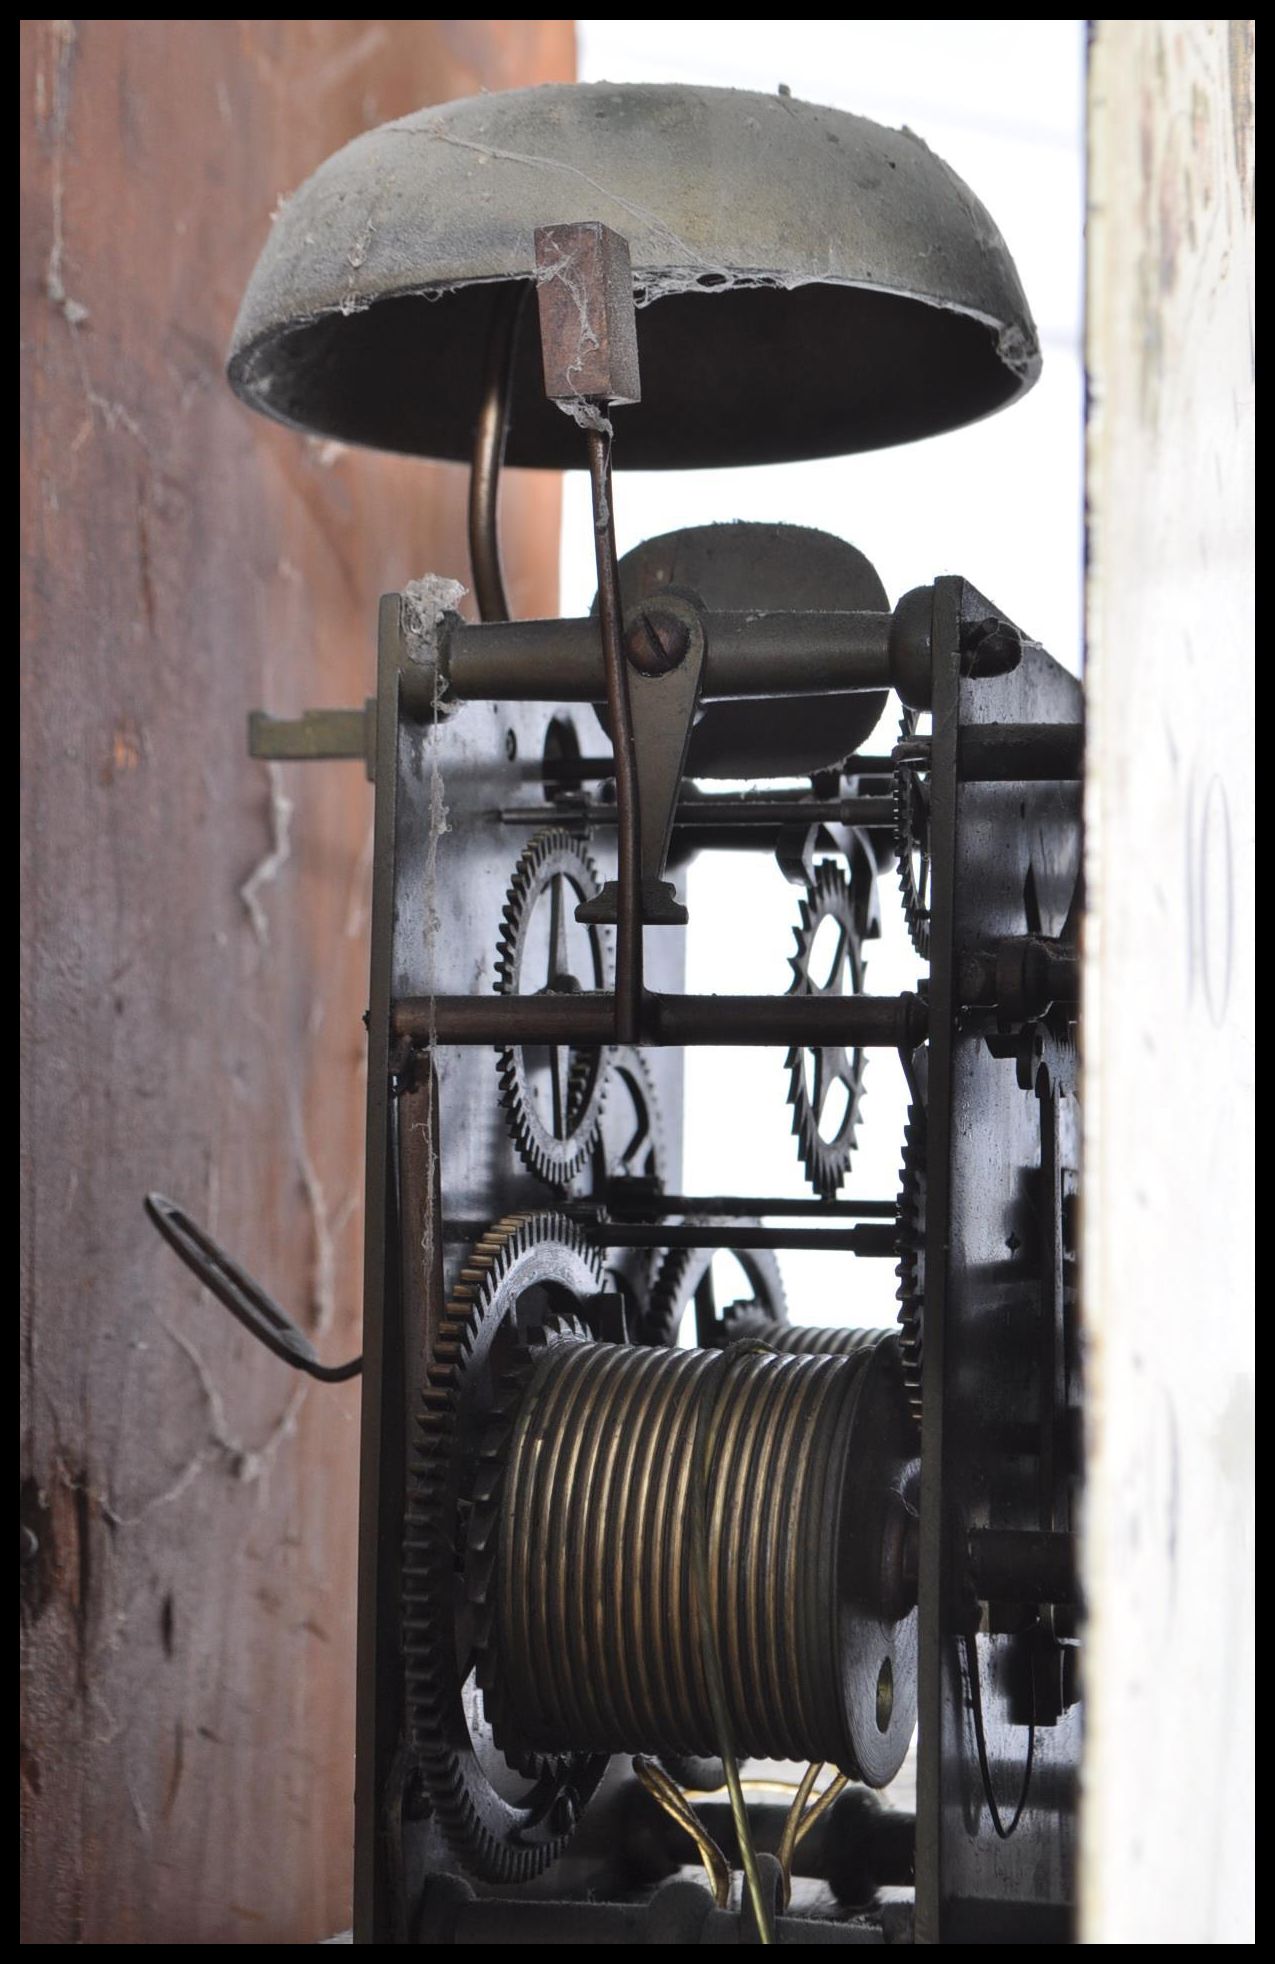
[
  {"x": 194, "y": 966},
  {"x": 1170, "y": 1009}
]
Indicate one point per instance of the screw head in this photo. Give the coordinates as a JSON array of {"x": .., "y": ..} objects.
[
  {"x": 657, "y": 640},
  {"x": 990, "y": 647}
]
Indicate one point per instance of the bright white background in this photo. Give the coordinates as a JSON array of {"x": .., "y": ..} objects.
[{"x": 1001, "y": 502}]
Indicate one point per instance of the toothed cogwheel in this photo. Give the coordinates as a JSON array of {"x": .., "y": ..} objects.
[
  {"x": 501, "y": 1824},
  {"x": 912, "y": 847},
  {"x": 685, "y": 1270},
  {"x": 910, "y": 1246},
  {"x": 552, "y": 1095},
  {"x": 826, "y": 1136},
  {"x": 911, "y": 795}
]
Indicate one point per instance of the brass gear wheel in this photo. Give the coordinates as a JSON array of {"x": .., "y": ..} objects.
[
  {"x": 685, "y": 1270},
  {"x": 911, "y": 795},
  {"x": 912, "y": 845},
  {"x": 632, "y": 1144},
  {"x": 552, "y": 1096},
  {"x": 504, "y": 1824},
  {"x": 813, "y": 1073},
  {"x": 910, "y": 1246}
]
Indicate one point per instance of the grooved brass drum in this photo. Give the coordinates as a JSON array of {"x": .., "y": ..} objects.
[{"x": 594, "y": 1639}]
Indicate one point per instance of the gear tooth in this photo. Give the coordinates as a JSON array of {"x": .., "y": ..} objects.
[
  {"x": 464, "y": 1812},
  {"x": 681, "y": 1271},
  {"x": 825, "y": 1162},
  {"x": 551, "y": 1160},
  {"x": 910, "y": 1240},
  {"x": 480, "y": 1558},
  {"x": 906, "y": 796}
]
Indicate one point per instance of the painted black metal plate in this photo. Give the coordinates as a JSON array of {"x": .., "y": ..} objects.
[
  {"x": 1006, "y": 863},
  {"x": 442, "y": 867}
]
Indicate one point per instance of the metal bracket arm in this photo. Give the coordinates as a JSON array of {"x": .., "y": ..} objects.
[{"x": 318, "y": 734}]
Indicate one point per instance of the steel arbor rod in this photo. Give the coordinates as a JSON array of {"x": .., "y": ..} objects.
[
  {"x": 750, "y": 655},
  {"x": 872, "y": 814},
  {"x": 869, "y": 1238},
  {"x": 727, "y": 1206},
  {"x": 855, "y": 1022}
]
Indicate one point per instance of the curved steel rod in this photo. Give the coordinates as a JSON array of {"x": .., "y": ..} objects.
[
  {"x": 702, "y": 1444},
  {"x": 628, "y": 933},
  {"x": 246, "y": 1300},
  {"x": 490, "y": 431}
]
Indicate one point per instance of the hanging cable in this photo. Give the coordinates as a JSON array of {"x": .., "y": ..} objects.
[
  {"x": 712, "y": 1661},
  {"x": 970, "y": 1642},
  {"x": 801, "y": 1818},
  {"x": 678, "y": 1808}
]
